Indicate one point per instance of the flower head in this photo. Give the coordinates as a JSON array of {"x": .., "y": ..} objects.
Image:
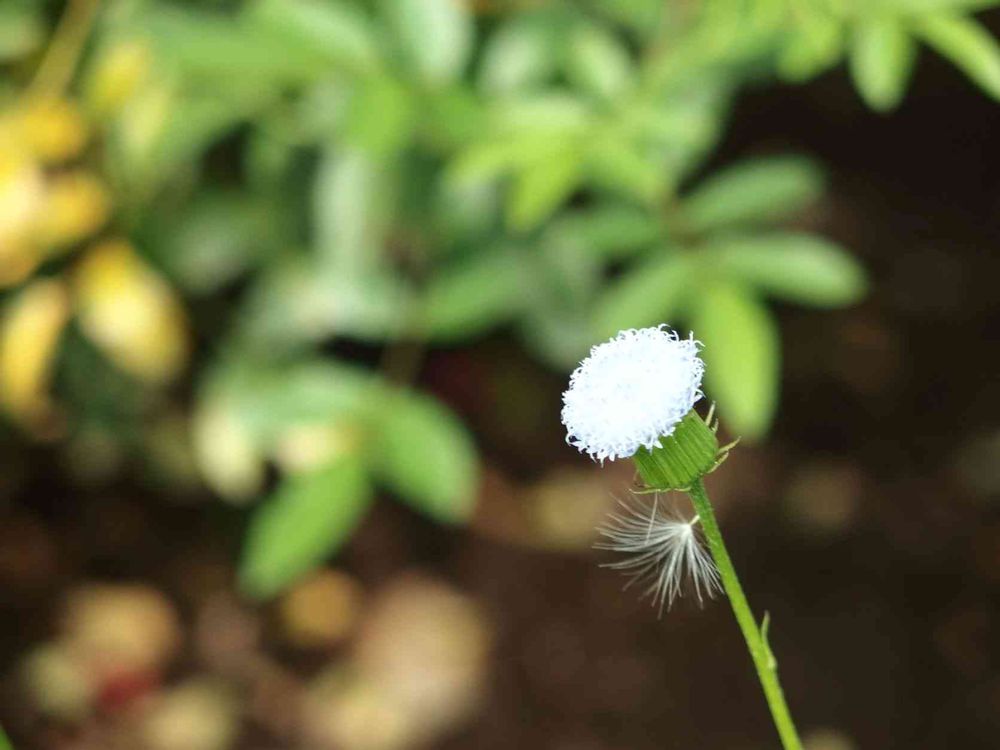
[
  {"x": 662, "y": 549},
  {"x": 631, "y": 391}
]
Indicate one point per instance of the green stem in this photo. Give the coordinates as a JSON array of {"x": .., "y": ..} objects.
[{"x": 767, "y": 670}]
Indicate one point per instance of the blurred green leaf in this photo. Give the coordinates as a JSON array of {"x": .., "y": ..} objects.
[
  {"x": 162, "y": 132},
  {"x": 21, "y": 29},
  {"x": 541, "y": 187},
  {"x": 435, "y": 37},
  {"x": 307, "y": 519},
  {"x": 597, "y": 61},
  {"x": 226, "y": 50},
  {"x": 968, "y": 44},
  {"x": 266, "y": 399},
  {"x": 220, "y": 237},
  {"x": 381, "y": 116},
  {"x": 752, "y": 192},
  {"x": 616, "y": 164},
  {"x": 227, "y": 453},
  {"x": 611, "y": 231},
  {"x": 567, "y": 271},
  {"x": 814, "y": 42},
  {"x": 558, "y": 336},
  {"x": 553, "y": 113},
  {"x": 333, "y": 29},
  {"x": 425, "y": 454},
  {"x": 741, "y": 355},
  {"x": 647, "y": 294},
  {"x": 518, "y": 56},
  {"x": 881, "y": 59},
  {"x": 474, "y": 295},
  {"x": 350, "y": 205},
  {"x": 466, "y": 209},
  {"x": 298, "y": 302},
  {"x": 798, "y": 267}
]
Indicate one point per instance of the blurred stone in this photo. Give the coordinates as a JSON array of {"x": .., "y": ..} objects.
[
  {"x": 828, "y": 739},
  {"x": 28, "y": 553},
  {"x": 118, "y": 629},
  {"x": 322, "y": 610},
  {"x": 201, "y": 714},
  {"x": 866, "y": 354},
  {"x": 345, "y": 711},
  {"x": 822, "y": 497},
  {"x": 93, "y": 455},
  {"x": 976, "y": 465},
  {"x": 57, "y": 684},
  {"x": 963, "y": 638},
  {"x": 561, "y": 511},
  {"x": 276, "y": 698},
  {"x": 227, "y": 634},
  {"x": 425, "y": 646},
  {"x": 567, "y": 506},
  {"x": 986, "y": 551}
]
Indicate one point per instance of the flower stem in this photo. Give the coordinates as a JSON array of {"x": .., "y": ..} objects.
[{"x": 760, "y": 652}]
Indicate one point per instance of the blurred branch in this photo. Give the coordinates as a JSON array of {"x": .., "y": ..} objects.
[{"x": 57, "y": 67}]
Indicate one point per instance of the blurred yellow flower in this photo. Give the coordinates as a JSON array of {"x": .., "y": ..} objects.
[
  {"x": 52, "y": 130},
  {"x": 118, "y": 73},
  {"x": 22, "y": 195},
  {"x": 76, "y": 205},
  {"x": 129, "y": 311},
  {"x": 29, "y": 333}
]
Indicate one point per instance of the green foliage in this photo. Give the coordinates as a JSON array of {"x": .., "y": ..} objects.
[
  {"x": 800, "y": 268},
  {"x": 417, "y": 172},
  {"x": 967, "y": 44},
  {"x": 758, "y": 191},
  {"x": 423, "y": 453},
  {"x": 355, "y": 423},
  {"x": 21, "y": 30},
  {"x": 881, "y": 61},
  {"x": 741, "y": 355},
  {"x": 307, "y": 518}
]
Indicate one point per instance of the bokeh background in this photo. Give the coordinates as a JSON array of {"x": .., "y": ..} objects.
[{"x": 290, "y": 289}]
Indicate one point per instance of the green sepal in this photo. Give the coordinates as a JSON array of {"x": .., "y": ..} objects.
[{"x": 685, "y": 456}]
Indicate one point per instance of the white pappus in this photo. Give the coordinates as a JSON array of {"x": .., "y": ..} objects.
[{"x": 662, "y": 548}]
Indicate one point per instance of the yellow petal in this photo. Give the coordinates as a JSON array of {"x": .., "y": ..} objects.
[
  {"x": 17, "y": 262},
  {"x": 77, "y": 205},
  {"x": 22, "y": 202},
  {"x": 130, "y": 312},
  {"x": 29, "y": 334},
  {"x": 53, "y": 130}
]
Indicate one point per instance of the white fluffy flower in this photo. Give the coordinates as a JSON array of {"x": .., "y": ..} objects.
[
  {"x": 631, "y": 391},
  {"x": 662, "y": 549}
]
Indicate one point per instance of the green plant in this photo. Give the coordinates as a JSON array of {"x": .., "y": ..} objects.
[{"x": 415, "y": 173}]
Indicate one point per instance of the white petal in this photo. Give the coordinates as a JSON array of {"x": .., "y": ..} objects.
[{"x": 631, "y": 391}]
